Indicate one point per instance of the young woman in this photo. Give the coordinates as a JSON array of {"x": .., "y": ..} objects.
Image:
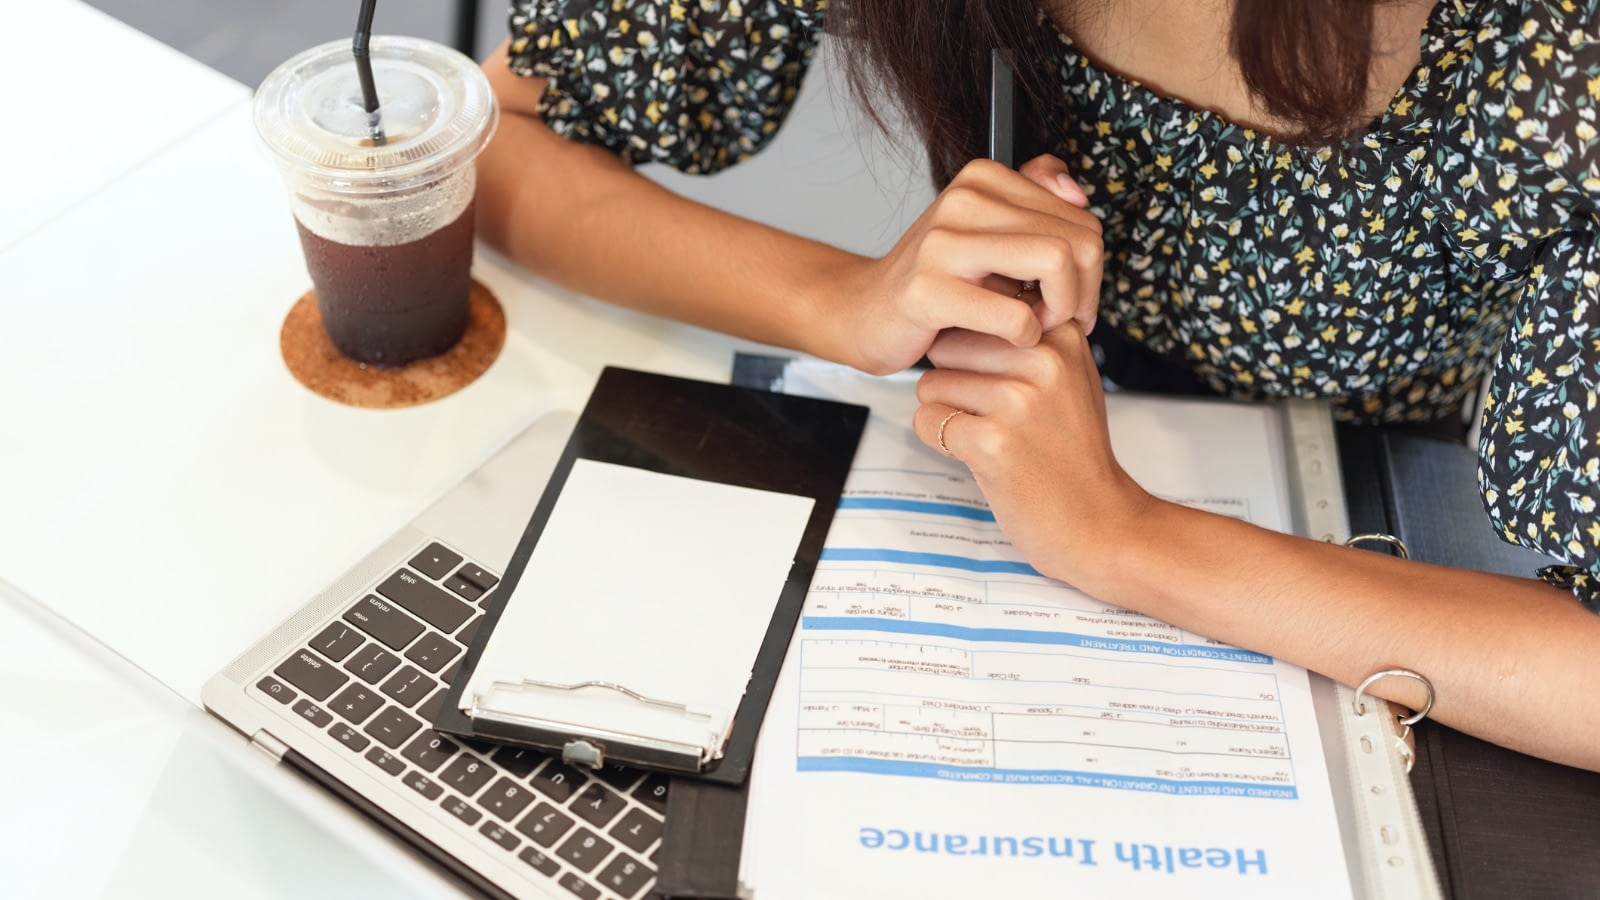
[{"x": 1377, "y": 203}]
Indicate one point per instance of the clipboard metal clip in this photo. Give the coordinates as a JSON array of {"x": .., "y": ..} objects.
[
  {"x": 608, "y": 685},
  {"x": 594, "y": 744}
]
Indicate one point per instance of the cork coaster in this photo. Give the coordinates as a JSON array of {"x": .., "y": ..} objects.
[{"x": 316, "y": 363}]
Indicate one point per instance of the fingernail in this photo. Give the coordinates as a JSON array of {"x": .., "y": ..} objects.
[{"x": 1070, "y": 191}]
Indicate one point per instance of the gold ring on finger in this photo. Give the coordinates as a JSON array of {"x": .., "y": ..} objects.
[{"x": 943, "y": 448}]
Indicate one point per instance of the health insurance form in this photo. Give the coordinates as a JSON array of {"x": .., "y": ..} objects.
[{"x": 950, "y": 723}]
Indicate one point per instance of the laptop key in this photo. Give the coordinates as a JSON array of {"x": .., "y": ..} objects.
[
  {"x": 436, "y": 607},
  {"x": 535, "y": 857},
  {"x": 506, "y": 799},
  {"x": 313, "y": 713},
  {"x": 558, "y": 781},
  {"x": 430, "y": 750},
  {"x": 638, "y": 829},
  {"x": 386, "y": 761},
  {"x": 423, "y": 785},
  {"x": 383, "y": 621},
  {"x": 337, "y": 640},
  {"x": 478, "y": 576},
  {"x": 276, "y": 689},
  {"x": 461, "y": 809},
  {"x": 371, "y": 663},
  {"x": 349, "y": 737},
  {"x": 429, "y": 710},
  {"x": 468, "y": 774},
  {"x": 498, "y": 833},
  {"x": 625, "y": 875},
  {"x": 619, "y": 777},
  {"x": 435, "y": 561},
  {"x": 598, "y": 804},
  {"x": 311, "y": 673},
  {"x": 652, "y": 792},
  {"x": 391, "y": 727},
  {"x": 580, "y": 887},
  {"x": 408, "y": 686},
  {"x": 433, "y": 651},
  {"x": 355, "y": 703},
  {"x": 519, "y": 761},
  {"x": 463, "y": 588},
  {"x": 545, "y": 824},
  {"x": 469, "y": 632},
  {"x": 584, "y": 849}
]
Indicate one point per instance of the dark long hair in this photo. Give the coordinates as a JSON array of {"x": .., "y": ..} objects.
[{"x": 1305, "y": 60}]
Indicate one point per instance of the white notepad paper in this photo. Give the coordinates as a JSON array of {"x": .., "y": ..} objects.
[{"x": 642, "y": 607}]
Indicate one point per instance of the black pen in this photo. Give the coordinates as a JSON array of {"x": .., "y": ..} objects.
[
  {"x": 1002, "y": 111},
  {"x": 1002, "y": 121},
  {"x": 1002, "y": 149}
]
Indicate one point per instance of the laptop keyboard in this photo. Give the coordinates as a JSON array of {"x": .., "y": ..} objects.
[{"x": 372, "y": 680}]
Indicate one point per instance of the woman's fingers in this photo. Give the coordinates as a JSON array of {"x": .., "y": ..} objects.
[
  {"x": 960, "y": 350},
  {"x": 952, "y": 303},
  {"x": 967, "y": 363},
  {"x": 1051, "y": 173},
  {"x": 1041, "y": 200},
  {"x": 997, "y": 252},
  {"x": 989, "y": 180},
  {"x": 1065, "y": 269},
  {"x": 1006, "y": 398}
]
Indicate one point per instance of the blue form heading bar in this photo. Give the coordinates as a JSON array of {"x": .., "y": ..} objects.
[
  {"x": 918, "y": 506},
  {"x": 944, "y": 560},
  {"x": 1141, "y": 783},
  {"x": 1028, "y": 636}
]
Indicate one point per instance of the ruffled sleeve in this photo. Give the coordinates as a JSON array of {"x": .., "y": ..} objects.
[
  {"x": 1539, "y": 449},
  {"x": 696, "y": 84},
  {"x": 1526, "y": 155}
]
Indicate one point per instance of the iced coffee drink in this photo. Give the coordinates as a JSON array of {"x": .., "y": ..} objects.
[{"x": 383, "y": 202}]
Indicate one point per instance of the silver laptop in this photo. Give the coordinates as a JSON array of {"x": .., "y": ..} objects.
[{"x": 344, "y": 691}]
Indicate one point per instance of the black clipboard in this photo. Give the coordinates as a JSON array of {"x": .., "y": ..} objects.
[{"x": 697, "y": 430}]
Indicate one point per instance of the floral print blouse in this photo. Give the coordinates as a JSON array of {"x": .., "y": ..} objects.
[{"x": 1458, "y": 236}]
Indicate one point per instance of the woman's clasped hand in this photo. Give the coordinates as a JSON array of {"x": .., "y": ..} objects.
[
  {"x": 960, "y": 264},
  {"x": 1030, "y": 422}
]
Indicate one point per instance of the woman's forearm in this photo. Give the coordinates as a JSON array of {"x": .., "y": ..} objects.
[
  {"x": 581, "y": 217},
  {"x": 1511, "y": 660}
]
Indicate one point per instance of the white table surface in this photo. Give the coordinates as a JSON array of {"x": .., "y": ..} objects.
[
  {"x": 115, "y": 786},
  {"x": 87, "y": 100},
  {"x": 168, "y": 490}
]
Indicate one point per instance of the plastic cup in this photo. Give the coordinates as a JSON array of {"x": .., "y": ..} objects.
[{"x": 386, "y": 225}]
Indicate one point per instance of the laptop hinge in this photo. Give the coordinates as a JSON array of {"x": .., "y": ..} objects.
[{"x": 271, "y": 746}]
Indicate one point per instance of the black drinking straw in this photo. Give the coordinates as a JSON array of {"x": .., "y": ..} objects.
[{"x": 369, "y": 90}]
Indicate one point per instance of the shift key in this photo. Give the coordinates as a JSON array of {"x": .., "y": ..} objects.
[{"x": 436, "y": 607}]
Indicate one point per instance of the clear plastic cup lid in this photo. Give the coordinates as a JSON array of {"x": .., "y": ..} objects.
[{"x": 435, "y": 110}]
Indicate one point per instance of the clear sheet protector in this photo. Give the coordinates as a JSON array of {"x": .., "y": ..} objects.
[{"x": 949, "y": 723}]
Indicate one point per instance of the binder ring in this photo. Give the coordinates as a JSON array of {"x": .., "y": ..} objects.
[
  {"x": 1391, "y": 540},
  {"x": 1375, "y": 677}
]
